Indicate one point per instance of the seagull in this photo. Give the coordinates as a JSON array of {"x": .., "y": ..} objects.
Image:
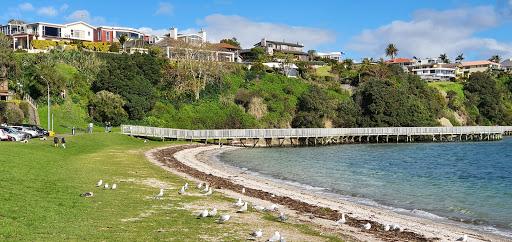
[
  {"x": 210, "y": 191},
  {"x": 387, "y": 227},
  {"x": 186, "y": 186},
  {"x": 203, "y": 214},
  {"x": 224, "y": 218},
  {"x": 206, "y": 187},
  {"x": 342, "y": 220},
  {"x": 258, "y": 233},
  {"x": 213, "y": 212},
  {"x": 100, "y": 182},
  {"x": 161, "y": 194},
  {"x": 258, "y": 208},
  {"x": 239, "y": 202},
  {"x": 106, "y": 186},
  {"x": 145, "y": 140},
  {"x": 397, "y": 227},
  {"x": 114, "y": 186},
  {"x": 282, "y": 217},
  {"x": 199, "y": 185},
  {"x": 275, "y": 237},
  {"x": 272, "y": 207},
  {"x": 243, "y": 190},
  {"x": 367, "y": 226},
  {"x": 464, "y": 238},
  {"x": 182, "y": 191},
  {"x": 243, "y": 208},
  {"x": 87, "y": 194}
]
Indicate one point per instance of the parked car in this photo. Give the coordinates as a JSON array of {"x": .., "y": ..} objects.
[
  {"x": 15, "y": 134},
  {"x": 4, "y": 136},
  {"x": 41, "y": 131},
  {"x": 31, "y": 132}
]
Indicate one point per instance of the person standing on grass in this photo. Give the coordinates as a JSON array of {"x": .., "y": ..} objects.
[
  {"x": 63, "y": 143},
  {"x": 56, "y": 141}
]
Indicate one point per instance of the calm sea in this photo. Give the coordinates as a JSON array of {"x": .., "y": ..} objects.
[{"x": 469, "y": 182}]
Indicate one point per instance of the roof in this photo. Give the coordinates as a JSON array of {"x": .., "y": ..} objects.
[
  {"x": 507, "y": 62},
  {"x": 477, "y": 63},
  {"x": 226, "y": 46},
  {"x": 121, "y": 28},
  {"x": 294, "y": 52},
  {"x": 400, "y": 60},
  {"x": 281, "y": 43}
]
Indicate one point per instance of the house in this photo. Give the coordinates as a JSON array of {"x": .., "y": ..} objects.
[
  {"x": 193, "y": 38},
  {"x": 289, "y": 69},
  {"x": 506, "y": 65},
  {"x": 402, "y": 62},
  {"x": 337, "y": 56},
  {"x": 294, "y": 49},
  {"x": 181, "y": 49},
  {"x": 436, "y": 73},
  {"x": 112, "y": 34},
  {"x": 5, "y": 94},
  {"x": 470, "y": 67}
]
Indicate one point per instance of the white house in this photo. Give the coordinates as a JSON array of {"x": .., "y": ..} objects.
[
  {"x": 435, "y": 73},
  {"x": 199, "y": 37},
  {"x": 337, "y": 55}
]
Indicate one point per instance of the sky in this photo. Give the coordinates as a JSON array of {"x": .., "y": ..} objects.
[{"x": 476, "y": 28}]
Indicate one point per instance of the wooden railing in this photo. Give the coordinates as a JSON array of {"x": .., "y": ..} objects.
[{"x": 308, "y": 132}]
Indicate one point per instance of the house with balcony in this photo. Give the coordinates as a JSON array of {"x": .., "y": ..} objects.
[
  {"x": 113, "y": 34},
  {"x": 191, "y": 38},
  {"x": 271, "y": 47},
  {"x": 470, "y": 67},
  {"x": 438, "y": 72},
  {"x": 506, "y": 65},
  {"x": 336, "y": 55}
]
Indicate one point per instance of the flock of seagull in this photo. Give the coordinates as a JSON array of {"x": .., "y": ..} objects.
[{"x": 242, "y": 206}]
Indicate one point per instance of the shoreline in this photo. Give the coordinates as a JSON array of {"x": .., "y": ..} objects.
[{"x": 200, "y": 163}]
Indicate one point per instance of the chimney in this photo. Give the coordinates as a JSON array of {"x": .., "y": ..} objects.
[
  {"x": 203, "y": 35},
  {"x": 173, "y": 33},
  {"x": 263, "y": 42}
]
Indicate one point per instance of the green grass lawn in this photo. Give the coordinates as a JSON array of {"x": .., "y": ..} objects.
[
  {"x": 324, "y": 71},
  {"x": 41, "y": 184},
  {"x": 449, "y": 86}
]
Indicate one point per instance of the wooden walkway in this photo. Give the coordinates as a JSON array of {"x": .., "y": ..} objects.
[{"x": 325, "y": 136}]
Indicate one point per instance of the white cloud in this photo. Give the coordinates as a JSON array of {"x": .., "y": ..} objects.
[
  {"x": 47, "y": 11},
  {"x": 249, "y": 32},
  {"x": 84, "y": 15},
  {"x": 63, "y": 7},
  {"x": 164, "y": 8},
  {"x": 157, "y": 32},
  {"x": 432, "y": 32},
  {"x": 26, "y": 7}
]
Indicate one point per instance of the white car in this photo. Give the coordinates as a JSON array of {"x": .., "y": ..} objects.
[
  {"x": 4, "y": 136},
  {"x": 22, "y": 129},
  {"x": 15, "y": 134}
]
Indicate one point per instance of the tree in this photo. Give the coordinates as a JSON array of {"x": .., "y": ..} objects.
[
  {"x": 123, "y": 39},
  {"x": 459, "y": 58},
  {"x": 482, "y": 92},
  {"x": 107, "y": 107},
  {"x": 114, "y": 47},
  {"x": 391, "y": 51},
  {"x": 444, "y": 58},
  {"x": 233, "y": 41},
  {"x": 259, "y": 54},
  {"x": 495, "y": 59},
  {"x": 312, "y": 54},
  {"x": 7, "y": 62}
]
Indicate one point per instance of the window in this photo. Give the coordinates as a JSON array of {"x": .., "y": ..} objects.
[
  {"x": 108, "y": 36},
  {"x": 88, "y": 33},
  {"x": 51, "y": 31},
  {"x": 99, "y": 35}
]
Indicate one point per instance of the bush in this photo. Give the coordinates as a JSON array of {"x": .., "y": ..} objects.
[
  {"x": 115, "y": 47},
  {"x": 25, "y": 107},
  {"x": 13, "y": 114},
  {"x": 108, "y": 107},
  {"x": 97, "y": 46}
]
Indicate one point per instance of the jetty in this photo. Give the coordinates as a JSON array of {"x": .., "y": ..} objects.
[{"x": 323, "y": 136}]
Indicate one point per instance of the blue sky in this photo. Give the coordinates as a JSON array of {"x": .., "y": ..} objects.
[{"x": 476, "y": 28}]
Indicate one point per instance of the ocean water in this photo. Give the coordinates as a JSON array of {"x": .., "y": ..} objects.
[{"x": 465, "y": 182}]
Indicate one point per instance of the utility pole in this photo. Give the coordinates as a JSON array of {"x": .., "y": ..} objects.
[{"x": 48, "y": 85}]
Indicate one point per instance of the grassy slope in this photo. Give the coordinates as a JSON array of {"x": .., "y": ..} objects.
[
  {"x": 449, "y": 86},
  {"x": 40, "y": 185},
  {"x": 65, "y": 116},
  {"x": 324, "y": 71}
]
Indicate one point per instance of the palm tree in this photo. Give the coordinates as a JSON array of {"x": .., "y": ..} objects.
[
  {"x": 495, "y": 59},
  {"x": 459, "y": 58},
  {"x": 122, "y": 40},
  {"x": 312, "y": 54},
  {"x": 444, "y": 58},
  {"x": 391, "y": 51}
]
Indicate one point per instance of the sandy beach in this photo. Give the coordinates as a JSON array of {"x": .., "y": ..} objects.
[{"x": 197, "y": 163}]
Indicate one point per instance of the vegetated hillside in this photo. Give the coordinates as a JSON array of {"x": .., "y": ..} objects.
[{"x": 151, "y": 90}]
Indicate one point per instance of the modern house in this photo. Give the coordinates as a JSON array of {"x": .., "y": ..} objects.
[
  {"x": 471, "y": 67},
  {"x": 181, "y": 49},
  {"x": 112, "y": 34},
  {"x": 405, "y": 63},
  {"x": 506, "y": 65},
  {"x": 337, "y": 55},
  {"x": 193, "y": 38},
  {"x": 294, "y": 49},
  {"x": 435, "y": 73}
]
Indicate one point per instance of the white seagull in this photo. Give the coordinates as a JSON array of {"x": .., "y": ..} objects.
[
  {"x": 114, "y": 186},
  {"x": 182, "y": 191},
  {"x": 243, "y": 208},
  {"x": 282, "y": 217},
  {"x": 367, "y": 226},
  {"x": 258, "y": 233},
  {"x": 243, "y": 190},
  {"x": 213, "y": 212},
  {"x": 464, "y": 238},
  {"x": 397, "y": 227},
  {"x": 272, "y": 207},
  {"x": 210, "y": 191},
  {"x": 239, "y": 202},
  {"x": 342, "y": 220},
  {"x": 106, "y": 186},
  {"x": 161, "y": 194},
  {"x": 224, "y": 218},
  {"x": 199, "y": 185},
  {"x": 203, "y": 214},
  {"x": 275, "y": 237},
  {"x": 186, "y": 186},
  {"x": 387, "y": 227},
  {"x": 100, "y": 182},
  {"x": 258, "y": 208}
]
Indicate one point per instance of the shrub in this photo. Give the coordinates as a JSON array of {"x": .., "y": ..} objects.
[
  {"x": 13, "y": 114},
  {"x": 114, "y": 47},
  {"x": 107, "y": 107}
]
